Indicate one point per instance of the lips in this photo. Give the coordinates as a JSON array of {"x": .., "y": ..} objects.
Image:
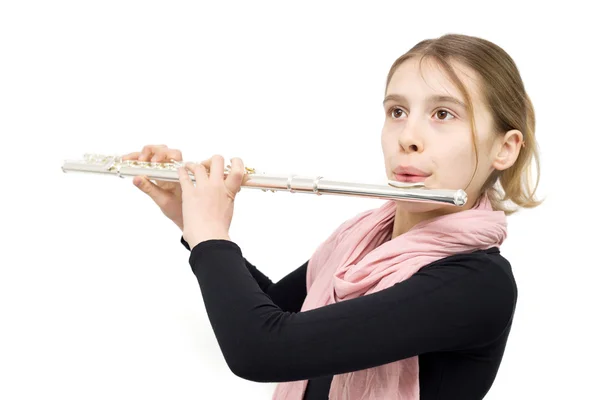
[
  {"x": 409, "y": 170},
  {"x": 409, "y": 174},
  {"x": 409, "y": 178}
]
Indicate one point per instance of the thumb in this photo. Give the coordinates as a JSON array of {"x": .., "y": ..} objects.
[{"x": 146, "y": 186}]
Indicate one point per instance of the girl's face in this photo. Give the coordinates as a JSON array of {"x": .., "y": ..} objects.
[{"x": 427, "y": 127}]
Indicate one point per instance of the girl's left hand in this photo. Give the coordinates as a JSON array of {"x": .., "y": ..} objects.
[{"x": 208, "y": 206}]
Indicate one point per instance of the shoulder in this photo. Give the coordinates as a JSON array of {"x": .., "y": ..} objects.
[
  {"x": 477, "y": 289},
  {"x": 481, "y": 266}
]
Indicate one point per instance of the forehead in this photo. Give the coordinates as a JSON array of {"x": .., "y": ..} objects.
[{"x": 429, "y": 78}]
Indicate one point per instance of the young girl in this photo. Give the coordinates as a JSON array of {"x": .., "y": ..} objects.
[{"x": 405, "y": 301}]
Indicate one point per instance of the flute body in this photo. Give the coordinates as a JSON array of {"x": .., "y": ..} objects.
[{"x": 393, "y": 190}]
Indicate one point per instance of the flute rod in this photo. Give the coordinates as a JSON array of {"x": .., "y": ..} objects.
[{"x": 393, "y": 190}]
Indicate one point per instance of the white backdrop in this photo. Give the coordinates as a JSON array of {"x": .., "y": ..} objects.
[{"x": 97, "y": 299}]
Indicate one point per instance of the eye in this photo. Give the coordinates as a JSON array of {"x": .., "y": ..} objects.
[
  {"x": 443, "y": 114},
  {"x": 395, "y": 112}
]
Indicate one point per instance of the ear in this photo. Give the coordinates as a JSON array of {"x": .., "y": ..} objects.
[{"x": 508, "y": 149}]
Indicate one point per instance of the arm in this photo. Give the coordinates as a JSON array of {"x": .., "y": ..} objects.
[
  {"x": 288, "y": 293},
  {"x": 449, "y": 306}
]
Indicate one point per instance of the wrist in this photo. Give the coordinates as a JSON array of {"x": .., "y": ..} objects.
[{"x": 194, "y": 241}]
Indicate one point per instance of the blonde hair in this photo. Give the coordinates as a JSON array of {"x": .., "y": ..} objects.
[{"x": 505, "y": 96}]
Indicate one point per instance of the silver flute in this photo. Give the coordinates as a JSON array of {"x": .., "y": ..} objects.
[{"x": 394, "y": 190}]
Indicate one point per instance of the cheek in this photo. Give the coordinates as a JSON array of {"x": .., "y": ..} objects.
[
  {"x": 460, "y": 150},
  {"x": 455, "y": 166},
  {"x": 385, "y": 135},
  {"x": 387, "y": 145}
]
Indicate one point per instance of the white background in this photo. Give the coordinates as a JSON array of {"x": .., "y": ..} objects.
[{"x": 97, "y": 299}]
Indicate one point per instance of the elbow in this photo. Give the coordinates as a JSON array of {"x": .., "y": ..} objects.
[
  {"x": 249, "y": 370},
  {"x": 253, "y": 365},
  {"x": 256, "y": 357},
  {"x": 242, "y": 371},
  {"x": 241, "y": 360}
]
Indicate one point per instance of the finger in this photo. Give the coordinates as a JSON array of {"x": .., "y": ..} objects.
[
  {"x": 149, "y": 150},
  {"x": 166, "y": 154},
  {"x": 217, "y": 168},
  {"x": 184, "y": 179},
  {"x": 163, "y": 155},
  {"x": 145, "y": 185},
  {"x": 206, "y": 163},
  {"x": 175, "y": 154},
  {"x": 236, "y": 176},
  {"x": 131, "y": 156},
  {"x": 199, "y": 171}
]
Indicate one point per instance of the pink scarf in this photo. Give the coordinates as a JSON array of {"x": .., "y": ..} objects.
[{"x": 359, "y": 258}]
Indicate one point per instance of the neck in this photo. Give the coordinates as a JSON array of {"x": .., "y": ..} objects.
[{"x": 405, "y": 220}]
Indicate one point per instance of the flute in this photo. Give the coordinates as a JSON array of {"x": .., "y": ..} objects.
[{"x": 394, "y": 190}]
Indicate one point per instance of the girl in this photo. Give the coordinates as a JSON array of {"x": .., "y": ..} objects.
[{"x": 405, "y": 301}]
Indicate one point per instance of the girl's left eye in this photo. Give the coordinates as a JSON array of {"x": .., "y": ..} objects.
[{"x": 442, "y": 114}]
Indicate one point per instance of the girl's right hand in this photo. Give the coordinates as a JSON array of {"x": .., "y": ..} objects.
[{"x": 166, "y": 194}]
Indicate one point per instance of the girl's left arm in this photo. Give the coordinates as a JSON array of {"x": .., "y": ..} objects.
[{"x": 448, "y": 306}]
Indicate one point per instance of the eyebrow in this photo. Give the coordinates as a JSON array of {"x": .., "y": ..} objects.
[{"x": 436, "y": 98}]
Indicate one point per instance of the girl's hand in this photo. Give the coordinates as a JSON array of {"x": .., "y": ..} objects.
[
  {"x": 207, "y": 206},
  {"x": 166, "y": 195}
]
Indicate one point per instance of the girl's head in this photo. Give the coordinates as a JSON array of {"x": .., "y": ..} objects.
[{"x": 456, "y": 109}]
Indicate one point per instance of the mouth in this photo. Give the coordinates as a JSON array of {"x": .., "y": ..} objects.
[{"x": 410, "y": 177}]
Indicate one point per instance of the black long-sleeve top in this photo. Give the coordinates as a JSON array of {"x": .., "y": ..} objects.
[{"x": 455, "y": 314}]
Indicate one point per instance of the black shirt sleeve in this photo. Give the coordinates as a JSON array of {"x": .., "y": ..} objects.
[
  {"x": 288, "y": 293},
  {"x": 451, "y": 305}
]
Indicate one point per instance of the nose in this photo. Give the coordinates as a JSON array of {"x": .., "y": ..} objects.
[
  {"x": 410, "y": 147},
  {"x": 409, "y": 140}
]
